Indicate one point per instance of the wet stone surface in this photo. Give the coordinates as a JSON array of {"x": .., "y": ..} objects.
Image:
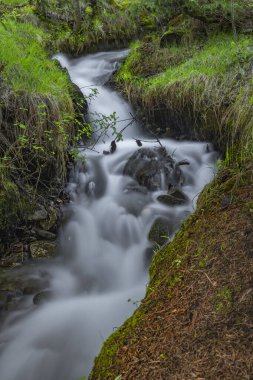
[{"x": 154, "y": 168}]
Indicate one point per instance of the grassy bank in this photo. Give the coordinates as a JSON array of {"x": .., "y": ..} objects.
[
  {"x": 202, "y": 89},
  {"x": 195, "y": 81},
  {"x": 36, "y": 120}
]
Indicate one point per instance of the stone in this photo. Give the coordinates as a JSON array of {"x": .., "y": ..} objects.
[
  {"x": 42, "y": 249},
  {"x": 160, "y": 231},
  {"x": 42, "y": 297},
  {"x": 16, "y": 255},
  {"x": 38, "y": 215},
  {"x": 154, "y": 168},
  {"x": 51, "y": 220},
  {"x": 45, "y": 234},
  {"x": 176, "y": 198}
]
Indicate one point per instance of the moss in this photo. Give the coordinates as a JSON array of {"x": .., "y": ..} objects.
[
  {"x": 13, "y": 206},
  {"x": 223, "y": 301},
  {"x": 195, "y": 262},
  {"x": 109, "y": 350}
]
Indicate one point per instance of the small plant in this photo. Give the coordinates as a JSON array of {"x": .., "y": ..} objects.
[{"x": 223, "y": 302}]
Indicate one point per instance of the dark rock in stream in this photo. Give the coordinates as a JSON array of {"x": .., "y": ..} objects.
[
  {"x": 175, "y": 198},
  {"x": 160, "y": 231},
  {"x": 15, "y": 285},
  {"x": 154, "y": 169},
  {"x": 42, "y": 297},
  {"x": 16, "y": 255}
]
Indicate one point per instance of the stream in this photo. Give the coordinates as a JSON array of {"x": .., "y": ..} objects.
[{"x": 100, "y": 272}]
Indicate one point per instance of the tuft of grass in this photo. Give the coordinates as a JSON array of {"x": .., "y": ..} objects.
[
  {"x": 14, "y": 2},
  {"x": 25, "y": 64},
  {"x": 206, "y": 85}
]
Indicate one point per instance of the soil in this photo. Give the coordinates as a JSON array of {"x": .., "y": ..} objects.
[{"x": 196, "y": 321}]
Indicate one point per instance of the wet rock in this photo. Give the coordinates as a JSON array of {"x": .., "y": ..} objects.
[
  {"x": 154, "y": 169},
  {"x": 9, "y": 299},
  {"x": 16, "y": 255},
  {"x": 160, "y": 231},
  {"x": 38, "y": 215},
  {"x": 135, "y": 188},
  {"x": 176, "y": 198},
  {"x": 51, "y": 220},
  {"x": 42, "y": 249},
  {"x": 149, "y": 254},
  {"x": 42, "y": 297},
  {"x": 45, "y": 234},
  {"x": 31, "y": 289}
]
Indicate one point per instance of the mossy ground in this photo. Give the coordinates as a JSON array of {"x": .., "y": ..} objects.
[{"x": 195, "y": 321}]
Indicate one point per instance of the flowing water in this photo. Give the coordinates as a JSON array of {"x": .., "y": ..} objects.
[{"x": 100, "y": 273}]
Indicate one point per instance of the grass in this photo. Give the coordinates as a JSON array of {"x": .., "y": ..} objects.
[
  {"x": 107, "y": 24},
  {"x": 25, "y": 63},
  {"x": 207, "y": 83},
  {"x": 37, "y": 120},
  {"x": 220, "y": 56},
  {"x": 14, "y": 2}
]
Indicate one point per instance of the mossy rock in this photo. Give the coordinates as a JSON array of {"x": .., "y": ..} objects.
[
  {"x": 160, "y": 231},
  {"x": 42, "y": 249},
  {"x": 13, "y": 205},
  {"x": 177, "y": 198}
]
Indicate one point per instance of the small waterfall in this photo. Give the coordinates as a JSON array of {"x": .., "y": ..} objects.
[{"x": 100, "y": 272}]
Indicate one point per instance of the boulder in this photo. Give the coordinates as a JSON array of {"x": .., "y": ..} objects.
[
  {"x": 176, "y": 198},
  {"x": 42, "y": 297},
  {"x": 154, "y": 168},
  {"x": 42, "y": 249},
  {"x": 16, "y": 255},
  {"x": 38, "y": 215},
  {"x": 52, "y": 219},
  {"x": 45, "y": 234},
  {"x": 160, "y": 231}
]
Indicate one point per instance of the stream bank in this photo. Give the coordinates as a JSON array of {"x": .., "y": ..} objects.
[
  {"x": 226, "y": 304},
  {"x": 39, "y": 118},
  {"x": 196, "y": 318}
]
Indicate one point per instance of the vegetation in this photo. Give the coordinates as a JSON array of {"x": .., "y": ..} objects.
[
  {"x": 36, "y": 118},
  {"x": 189, "y": 74},
  {"x": 205, "y": 85},
  {"x": 193, "y": 78},
  {"x": 197, "y": 308}
]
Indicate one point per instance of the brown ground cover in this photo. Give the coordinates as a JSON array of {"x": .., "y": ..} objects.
[{"x": 196, "y": 321}]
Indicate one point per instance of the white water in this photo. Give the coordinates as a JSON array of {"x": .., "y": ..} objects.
[{"x": 101, "y": 271}]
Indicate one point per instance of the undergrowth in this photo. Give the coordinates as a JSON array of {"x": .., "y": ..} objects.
[
  {"x": 209, "y": 83},
  {"x": 36, "y": 117}
]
